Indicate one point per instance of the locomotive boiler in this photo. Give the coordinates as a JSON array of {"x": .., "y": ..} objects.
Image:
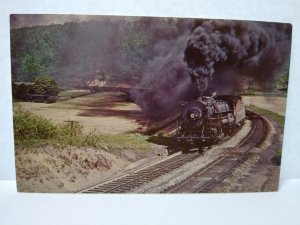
[{"x": 207, "y": 120}]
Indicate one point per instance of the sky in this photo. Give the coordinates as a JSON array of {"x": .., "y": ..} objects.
[{"x": 29, "y": 20}]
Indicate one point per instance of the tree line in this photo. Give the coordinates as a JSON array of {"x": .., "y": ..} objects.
[{"x": 73, "y": 52}]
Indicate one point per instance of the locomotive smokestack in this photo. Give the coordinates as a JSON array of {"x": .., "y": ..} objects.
[{"x": 223, "y": 54}]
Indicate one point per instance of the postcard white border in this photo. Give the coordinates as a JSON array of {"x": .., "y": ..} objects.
[{"x": 238, "y": 208}]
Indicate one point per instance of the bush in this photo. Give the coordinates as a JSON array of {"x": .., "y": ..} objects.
[
  {"x": 45, "y": 85},
  {"x": 28, "y": 126},
  {"x": 21, "y": 92}
]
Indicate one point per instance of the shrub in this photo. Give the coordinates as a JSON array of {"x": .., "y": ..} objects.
[
  {"x": 28, "y": 126},
  {"x": 20, "y": 92},
  {"x": 45, "y": 85}
]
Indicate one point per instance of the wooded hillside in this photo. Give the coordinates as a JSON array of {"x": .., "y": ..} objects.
[{"x": 115, "y": 49}]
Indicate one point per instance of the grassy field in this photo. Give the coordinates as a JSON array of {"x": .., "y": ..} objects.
[
  {"x": 101, "y": 120},
  {"x": 279, "y": 119},
  {"x": 271, "y": 103},
  {"x": 103, "y": 113},
  {"x": 34, "y": 131},
  {"x": 68, "y": 94}
]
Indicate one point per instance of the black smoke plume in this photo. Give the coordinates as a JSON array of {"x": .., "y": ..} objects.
[
  {"x": 236, "y": 54},
  {"x": 165, "y": 78}
]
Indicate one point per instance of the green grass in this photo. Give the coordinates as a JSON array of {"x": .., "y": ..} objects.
[
  {"x": 279, "y": 119},
  {"x": 274, "y": 116},
  {"x": 278, "y": 156},
  {"x": 34, "y": 131},
  {"x": 260, "y": 93},
  {"x": 64, "y": 95},
  {"x": 117, "y": 142}
]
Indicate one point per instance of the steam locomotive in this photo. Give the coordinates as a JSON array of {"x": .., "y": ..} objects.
[{"x": 207, "y": 120}]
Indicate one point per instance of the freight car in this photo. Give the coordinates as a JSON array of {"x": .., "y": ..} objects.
[{"x": 208, "y": 120}]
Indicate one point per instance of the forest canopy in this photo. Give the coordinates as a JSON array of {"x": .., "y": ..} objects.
[{"x": 74, "y": 52}]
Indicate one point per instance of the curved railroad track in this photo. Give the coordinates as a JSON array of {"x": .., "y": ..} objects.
[
  {"x": 201, "y": 181},
  {"x": 214, "y": 173}
]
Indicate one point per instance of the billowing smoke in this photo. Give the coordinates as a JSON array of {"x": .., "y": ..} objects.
[
  {"x": 222, "y": 56},
  {"x": 227, "y": 56},
  {"x": 165, "y": 78},
  {"x": 89, "y": 47},
  {"x": 161, "y": 55}
]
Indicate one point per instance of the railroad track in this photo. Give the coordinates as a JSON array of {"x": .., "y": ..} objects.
[
  {"x": 201, "y": 181},
  {"x": 128, "y": 182},
  {"x": 207, "y": 178}
]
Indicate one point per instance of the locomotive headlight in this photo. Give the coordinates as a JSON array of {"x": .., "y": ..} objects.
[{"x": 194, "y": 115}]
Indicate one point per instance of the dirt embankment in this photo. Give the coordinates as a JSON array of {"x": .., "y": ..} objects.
[
  {"x": 71, "y": 169},
  {"x": 48, "y": 169}
]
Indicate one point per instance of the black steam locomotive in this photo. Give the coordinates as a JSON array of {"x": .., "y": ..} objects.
[{"x": 207, "y": 120}]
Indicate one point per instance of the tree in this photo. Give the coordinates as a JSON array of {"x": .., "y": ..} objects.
[
  {"x": 282, "y": 81},
  {"x": 45, "y": 85},
  {"x": 134, "y": 46},
  {"x": 30, "y": 66}
]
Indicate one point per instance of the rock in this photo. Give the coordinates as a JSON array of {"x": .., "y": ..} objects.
[{"x": 129, "y": 155}]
